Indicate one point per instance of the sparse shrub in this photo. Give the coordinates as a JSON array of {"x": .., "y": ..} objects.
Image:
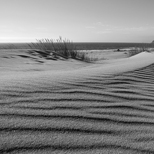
[
  {"x": 59, "y": 48},
  {"x": 138, "y": 50}
]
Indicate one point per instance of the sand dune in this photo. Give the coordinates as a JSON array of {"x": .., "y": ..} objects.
[{"x": 106, "y": 107}]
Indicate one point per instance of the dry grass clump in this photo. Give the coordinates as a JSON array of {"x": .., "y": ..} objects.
[
  {"x": 137, "y": 50},
  {"x": 58, "y": 49}
]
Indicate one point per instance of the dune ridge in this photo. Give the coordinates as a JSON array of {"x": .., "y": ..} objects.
[{"x": 100, "y": 108}]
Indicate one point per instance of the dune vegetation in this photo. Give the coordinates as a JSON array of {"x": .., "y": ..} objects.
[
  {"x": 59, "y": 49},
  {"x": 137, "y": 50}
]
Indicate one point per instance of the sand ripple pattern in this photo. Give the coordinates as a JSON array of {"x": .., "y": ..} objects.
[{"x": 99, "y": 114}]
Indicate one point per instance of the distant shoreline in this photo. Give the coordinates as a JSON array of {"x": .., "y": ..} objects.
[{"x": 83, "y": 45}]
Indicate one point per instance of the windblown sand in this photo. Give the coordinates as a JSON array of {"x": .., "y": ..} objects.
[{"x": 76, "y": 107}]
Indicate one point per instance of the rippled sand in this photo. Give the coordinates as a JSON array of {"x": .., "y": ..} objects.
[{"x": 87, "y": 108}]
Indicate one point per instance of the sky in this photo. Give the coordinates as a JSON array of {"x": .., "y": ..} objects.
[{"x": 77, "y": 20}]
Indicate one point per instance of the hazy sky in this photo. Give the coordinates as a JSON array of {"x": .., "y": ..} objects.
[{"x": 77, "y": 20}]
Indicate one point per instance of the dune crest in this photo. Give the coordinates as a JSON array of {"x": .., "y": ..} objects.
[{"x": 104, "y": 67}]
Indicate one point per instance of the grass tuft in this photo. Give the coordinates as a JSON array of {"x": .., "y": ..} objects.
[
  {"x": 137, "y": 50},
  {"x": 57, "y": 49}
]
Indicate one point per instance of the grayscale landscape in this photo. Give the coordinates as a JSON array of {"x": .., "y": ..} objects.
[{"x": 76, "y": 78}]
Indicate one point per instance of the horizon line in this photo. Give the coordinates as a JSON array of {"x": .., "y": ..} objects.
[{"x": 79, "y": 42}]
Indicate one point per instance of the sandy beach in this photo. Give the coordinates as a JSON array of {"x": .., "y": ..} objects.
[{"x": 69, "y": 106}]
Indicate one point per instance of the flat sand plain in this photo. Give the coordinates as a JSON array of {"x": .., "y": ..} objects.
[{"x": 74, "y": 107}]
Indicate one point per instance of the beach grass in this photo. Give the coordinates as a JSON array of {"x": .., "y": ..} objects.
[
  {"x": 137, "y": 50},
  {"x": 59, "y": 48}
]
